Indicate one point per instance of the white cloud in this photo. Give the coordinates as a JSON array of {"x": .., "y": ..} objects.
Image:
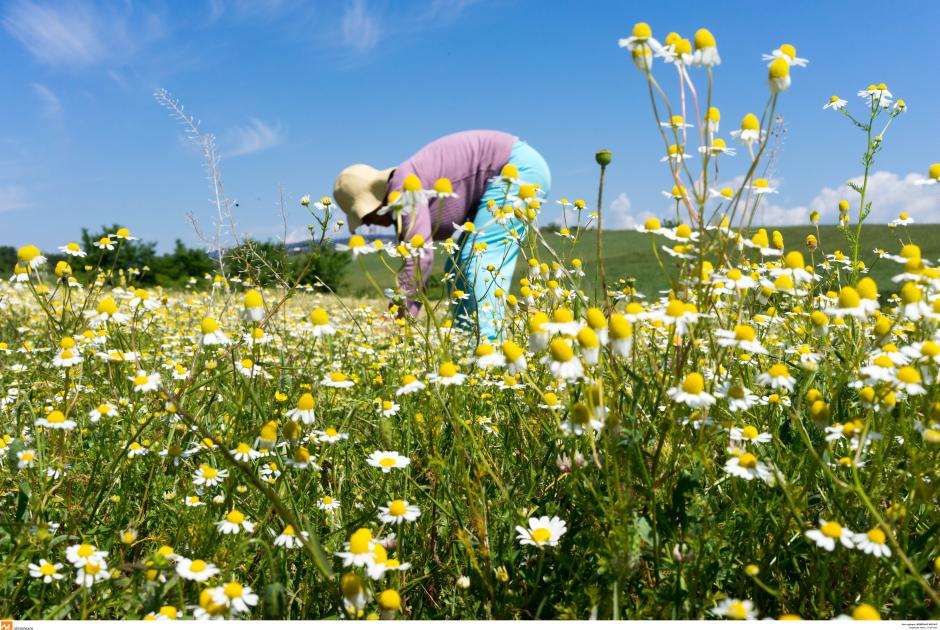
[
  {"x": 13, "y": 198},
  {"x": 51, "y": 105},
  {"x": 361, "y": 30},
  {"x": 68, "y": 34},
  {"x": 254, "y": 137},
  {"x": 889, "y": 193},
  {"x": 618, "y": 216},
  {"x": 78, "y": 34}
]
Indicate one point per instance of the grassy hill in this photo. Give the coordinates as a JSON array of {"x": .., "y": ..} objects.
[{"x": 628, "y": 255}]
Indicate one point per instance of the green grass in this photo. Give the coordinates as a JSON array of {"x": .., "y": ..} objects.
[{"x": 628, "y": 255}]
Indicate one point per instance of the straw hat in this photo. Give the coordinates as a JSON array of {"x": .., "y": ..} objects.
[{"x": 360, "y": 190}]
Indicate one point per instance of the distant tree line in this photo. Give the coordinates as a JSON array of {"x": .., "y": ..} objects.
[{"x": 266, "y": 262}]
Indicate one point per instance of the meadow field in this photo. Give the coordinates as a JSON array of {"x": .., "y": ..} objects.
[
  {"x": 628, "y": 255},
  {"x": 747, "y": 429}
]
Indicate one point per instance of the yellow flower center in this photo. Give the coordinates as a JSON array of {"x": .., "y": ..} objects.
[
  {"x": 749, "y": 432},
  {"x": 909, "y": 375},
  {"x": 652, "y": 224},
  {"x": 397, "y": 508},
  {"x": 778, "y": 370},
  {"x": 412, "y": 183},
  {"x": 849, "y": 298},
  {"x": 318, "y": 317},
  {"x": 360, "y": 540},
  {"x": 233, "y": 590},
  {"x": 831, "y": 529},
  {"x": 209, "y": 325},
  {"x": 736, "y": 610},
  {"x": 876, "y": 536},
  {"x": 693, "y": 384},
  {"x": 642, "y": 30},
  {"x": 305, "y": 403},
  {"x": 252, "y": 299},
  {"x": 911, "y": 293},
  {"x": 561, "y": 351},
  {"x": 541, "y": 535},
  {"x": 788, "y": 50},
  {"x": 443, "y": 185},
  {"x": 779, "y": 68},
  {"x": 47, "y": 569},
  {"x": 447, "y": 370},
  {"x": 750, "y": 123},
  {"x": 387, "y": 462},
  {"x": 747, "y": 461}
]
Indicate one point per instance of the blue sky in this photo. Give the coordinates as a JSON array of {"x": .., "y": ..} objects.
[{"x": 296, "y": 90}]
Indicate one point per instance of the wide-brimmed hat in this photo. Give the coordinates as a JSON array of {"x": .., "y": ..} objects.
[{"x": 360, "y": 190}]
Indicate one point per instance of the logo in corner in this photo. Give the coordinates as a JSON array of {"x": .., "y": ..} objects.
[{"x": 6, "y": 624}]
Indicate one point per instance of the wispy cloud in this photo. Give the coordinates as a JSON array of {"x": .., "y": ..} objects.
[
  {"x": 79, "y": 34},
  {"x": 56, "y": 34},
  {"x": 889, "y": 193},
  {"x": 51, "y": 105},
  {"x": 361, "y": 29},
  {"x": 254, "y": 137},
  {"x": 13, "y": 198}
]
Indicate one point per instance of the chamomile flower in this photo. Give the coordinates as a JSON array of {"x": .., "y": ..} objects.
[
  {"x": 73, "y": 249},
  {"x": 104, "y": 410},
  {"x": 320, "y": 323},
  {"x": 750, "y": 434},
  {"x": 46, "y": 571},
  {"x": 787, "y": 52},
  {"x": 234, "y": 522},
  {"x": 30, "y": 256},
  {"x": 447, "y": 373},
  {"x": 358, "y": 551},
  {"x": 876, "y": 95},
  {"x": 144, "y": 382},
  {"x": 409, "y": 384},
  {"x": 486, "y": 357},
  {"x": 750, "y": 131},
  {"x": 692, "y": 392},
  {"x": 706, "y": 51},
  {"x": 56, "y": 420},
  {"x": 91, "y": 573},
  {"x": 642, "y": 35},
  {"x": 398, "y": 511},
  {"x": 872, "y": 542},
  {"x": 208, "y": 476},
  {"x": 777, "y": 377},
  {"x": 337, "y": 380},
  {"x": 235, "y": 596},
  {"x": 211, "y": 334},
  {"x": 748, "y": 467},
  {"x": 330, "y": 435},
  {"x": 328, "y": 504},
  {"x": 387, "y": 460},
  {"x": 357, "y": 245},
  {"x": 835, "y": 103},
  {"x": 542, "y": 531},
  {"x": 562, "y": 362},
  {"x": 303, "y": 412},
  {"x": 737, "y": 609},
  {"x": 289, "y": 539},
  {"x": 743, "y": 337},
  {"x": 830, "y": 533},
  {"x": 933, "y": 176},
  {"x": 195, "y": 569},
  {"x": 82, "y": 554}
]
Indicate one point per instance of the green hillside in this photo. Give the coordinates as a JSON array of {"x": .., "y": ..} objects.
[{"x": 628, "y": 255}]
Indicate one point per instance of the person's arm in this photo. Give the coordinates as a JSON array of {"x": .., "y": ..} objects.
[{"x": 414, "y": 277}]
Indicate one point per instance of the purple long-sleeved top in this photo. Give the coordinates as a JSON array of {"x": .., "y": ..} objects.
[{"x": 468, "y": 159}]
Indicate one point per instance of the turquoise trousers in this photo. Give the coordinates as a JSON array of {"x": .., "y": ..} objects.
[{"x": 480, "y": 275}]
